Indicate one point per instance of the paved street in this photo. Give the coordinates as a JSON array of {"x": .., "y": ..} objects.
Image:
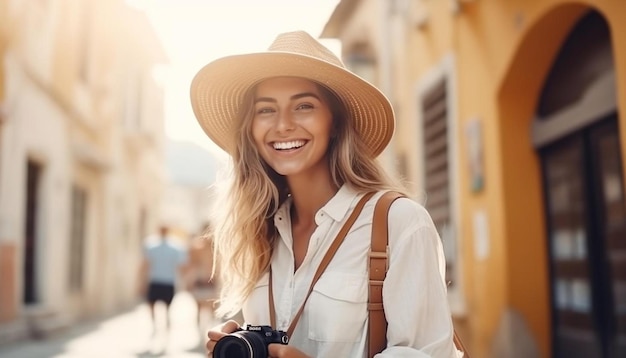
[{"x": 126, "y": 335}]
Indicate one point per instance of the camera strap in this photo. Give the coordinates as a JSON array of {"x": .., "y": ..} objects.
[{"x": 323, "y": 264}]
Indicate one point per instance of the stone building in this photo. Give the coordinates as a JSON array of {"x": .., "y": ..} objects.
[{"x": 81, "y": 159}]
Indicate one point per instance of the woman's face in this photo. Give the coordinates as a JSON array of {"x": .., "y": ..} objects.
[{"x": 292, "y": 126}]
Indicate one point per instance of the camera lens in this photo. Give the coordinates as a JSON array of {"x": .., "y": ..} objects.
[{"x": 241, "y": 345}]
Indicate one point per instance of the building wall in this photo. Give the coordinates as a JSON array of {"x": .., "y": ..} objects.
[
  {"x": 503, "y": 51},
  {"x": 495, "y": 55},
  {"x": 4, "y": 40},
  {"x": 6, "y": 250},
  {"x": 66, "y": 106}
]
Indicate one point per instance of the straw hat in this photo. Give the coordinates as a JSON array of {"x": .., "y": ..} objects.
[{"x": 218, "y": 89}]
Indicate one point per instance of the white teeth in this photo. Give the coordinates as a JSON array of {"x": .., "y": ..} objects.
[{"x": 288, "y": 145}]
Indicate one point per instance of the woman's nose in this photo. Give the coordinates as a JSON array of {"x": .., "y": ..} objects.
[{"x": 284, "y": 122}]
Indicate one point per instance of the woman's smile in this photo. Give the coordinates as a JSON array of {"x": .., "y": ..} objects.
[{"x": 289, "y": 146}]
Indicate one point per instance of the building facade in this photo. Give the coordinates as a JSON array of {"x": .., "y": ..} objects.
[
  {"x": 510, "y": 121},
  {"x": 81, "y": 159}
]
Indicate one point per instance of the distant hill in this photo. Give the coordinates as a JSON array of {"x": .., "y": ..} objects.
[{"x": 189, "y": 164}]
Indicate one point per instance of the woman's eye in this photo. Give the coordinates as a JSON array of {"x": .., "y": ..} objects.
[
  {"x": 304, "y": 106},
  {"x": 265, "y": 110}
]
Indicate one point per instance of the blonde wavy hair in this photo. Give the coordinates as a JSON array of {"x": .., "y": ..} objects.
[{"x": 243, "y": 220}]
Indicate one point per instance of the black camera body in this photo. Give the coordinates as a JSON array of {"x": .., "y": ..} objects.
[{"x": 249, "y": 342}]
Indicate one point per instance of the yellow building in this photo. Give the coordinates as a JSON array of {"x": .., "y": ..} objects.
[
  {"x": 4, "y": 35},
  {"x": 509, "y": 121}
]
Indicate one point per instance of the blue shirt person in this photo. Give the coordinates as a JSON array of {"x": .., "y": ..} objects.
[{"x": 164, "y": 261}]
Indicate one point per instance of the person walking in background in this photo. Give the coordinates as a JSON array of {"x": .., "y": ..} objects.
[
  {"x": 304, "y": 133},
  {"x": 164, "y": 262},
  {"x": 202, "y": 283}
]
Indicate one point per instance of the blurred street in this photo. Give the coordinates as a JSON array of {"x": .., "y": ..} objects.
[
  {"x": 128, "y": 334},
  {"x": 510, "y": 130}
]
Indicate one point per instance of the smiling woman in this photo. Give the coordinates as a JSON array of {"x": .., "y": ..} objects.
[{"x": 304, "y": 133}]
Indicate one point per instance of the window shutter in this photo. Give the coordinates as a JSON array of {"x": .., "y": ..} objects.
[{"x": 436, "y": 163}]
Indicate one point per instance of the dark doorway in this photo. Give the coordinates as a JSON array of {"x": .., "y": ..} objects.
[
  {"x": 577, "y": 135},
  {"x": 33, "y": 179},
  {"x": 587, "y": 237}
]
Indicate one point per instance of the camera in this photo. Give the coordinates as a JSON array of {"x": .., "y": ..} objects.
[{"x": 250, "y": 342}]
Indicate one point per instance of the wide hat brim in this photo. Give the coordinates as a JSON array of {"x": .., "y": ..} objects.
[{"x": 218, "y": 90}]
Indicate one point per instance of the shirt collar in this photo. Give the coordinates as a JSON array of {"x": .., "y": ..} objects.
[
  {"x": 339, "y": 205},
  {"x": 336, "y": 208}
]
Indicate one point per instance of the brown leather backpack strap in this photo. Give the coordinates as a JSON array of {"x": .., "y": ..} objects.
[
  {"x": 378, "y": 260},
  {"x": 379, "y": 256},
  {"x": 460, "y": 346},
  {"x": 323, "y": 264}
]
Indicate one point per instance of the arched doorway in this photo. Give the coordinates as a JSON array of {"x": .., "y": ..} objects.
[{"x": 576, "y": 136}]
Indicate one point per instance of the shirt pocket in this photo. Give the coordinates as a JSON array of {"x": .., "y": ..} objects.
[
  {"x": 337, "y": 307},
  {"x": 255, "y": 309}
]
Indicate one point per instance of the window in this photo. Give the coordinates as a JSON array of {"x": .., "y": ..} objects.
[
  {"x": 77, "y": 239},
  {"x": 437, "y": 169},
  {"x": 34, "y": 174},
  {"x": 361, "y": 61}
]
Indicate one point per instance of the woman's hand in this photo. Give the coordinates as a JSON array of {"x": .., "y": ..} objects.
[
  {"x": 216, "y": 333},
  {"x": 277, "y": 350}
]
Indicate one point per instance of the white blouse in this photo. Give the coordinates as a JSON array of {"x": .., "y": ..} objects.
[{"x": 334, "y": 321}]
